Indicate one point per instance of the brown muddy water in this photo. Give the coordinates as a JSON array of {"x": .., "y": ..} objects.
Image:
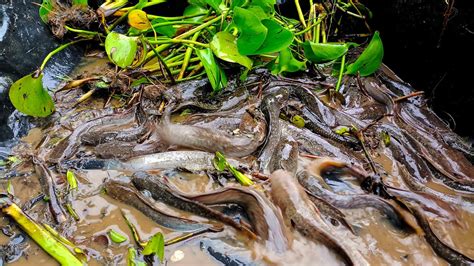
[{"x": 423, "y": 166}]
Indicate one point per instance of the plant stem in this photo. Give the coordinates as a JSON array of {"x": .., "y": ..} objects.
[
  {"x": 178, "y": 41},
  {"x": 341, "y": 72},
  {"x": 177, "y": 18},
  {"x": 300, "y": 13},
  {"x": 55, "y": 51},
  {"x": 187, "y": 56}
]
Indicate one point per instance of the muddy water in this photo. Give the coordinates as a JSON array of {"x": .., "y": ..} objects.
[{"x": 374, "y": 241}]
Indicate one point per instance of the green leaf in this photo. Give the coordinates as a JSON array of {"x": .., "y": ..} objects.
[
  {"x": 224, "y": 46},
  {"x": 167, "y": 30},
  {"x": 116, "y": 237},
  {"x": 242, "y": 178},
  {"x": 156, "y": 246},
  {"x": 286, "y": 63},
  {"x": 219, "y": 162},
  {"x": 277, "y": 39},
  {"x": 252, "y": 31},
  {"x": 342, "y": 130},
  {"x": 268, "y": 6},
  {"x": 237, "y": 3},
  {"x": 298, "y": 121},
  {"x": 120, "y": 49},
  {"x": 370, "y": 59},
  {"x": 80, "y": 2},
  {"x": 192, "y": 10},
  {"x": 44, "y": 10},
  {"x": 71, "y": 179},
  {"x": 29, "y": 97},
  {"x": 215, "y": 4},
  {"x": 132, "y": 259},
  {"x": 216, "y": 75},
  {"x": 258, "y": 11},
  {"x": 385, "y": 137},
  {"x": 323, "y": 52}
]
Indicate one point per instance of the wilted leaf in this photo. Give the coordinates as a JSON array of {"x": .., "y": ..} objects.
[
  {"x": 370, "y": 59},
  {"x": 224, "y": 46},
  {"x": 29, "y": 97},
  {"x": 120, "y": 49},
  {"x": 252, "y": 31},
  {"x": 216, "y": 75},
  {"x": 323, "y": 52},
  {"x": 138, "y": 19}
]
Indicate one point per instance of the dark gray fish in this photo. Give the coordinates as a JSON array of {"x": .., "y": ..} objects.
[
  {"x": 160, "y": 191},
  {"x": 286, "y": 155},
  {"x": 446, "y": 252},
  {"x": 264, "y": 218},
  {"x": 351, "y": 201},
  {"x": 271, "y": 107},
  {"x": 192, "y": 161},
  {"x": 69, "y": 146},
  {"x": 206, "y": 139},
  {"x": 290, "y": 197},
  {"x": 49, "y": 189},
  {"x": 130, "y": 196}
]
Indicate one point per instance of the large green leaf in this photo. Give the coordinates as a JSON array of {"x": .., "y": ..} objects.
[
  {"x": 370, "y": 59},
  {"x": 252, "y": 31},
  {"x": 277, "y": 39},
  {"x": 286, "y": 62},
  {"x": 216, "y": 75},
  {"x": 268, "y": 6},
  {"x": 120, "y": 49},
  {"x": 29, "y": 97},
  {"x": 167, "y": 30},
  {"x": 224, "y": 46},
  {"x": 45, "y": 8},
  {"x": 323, "y": 52}
]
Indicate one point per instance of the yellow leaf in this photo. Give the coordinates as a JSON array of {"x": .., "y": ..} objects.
[{"x": 138, "y": 19}]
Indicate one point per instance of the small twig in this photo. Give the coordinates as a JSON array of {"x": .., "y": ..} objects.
[
  {"x": 310, "y": 156},
  {"x": 413, "y": 94},
  {"x": 260, "y": 176}
]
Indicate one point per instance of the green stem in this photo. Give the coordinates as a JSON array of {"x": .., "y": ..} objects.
[
  {"x": 146, "y": 5},
  {"x": 160, "y": 59},
  {"x": 178, "y": 41},
  {"x": 55, "y": 51},
  {"x": 187, "y": 56},
  {"x": 176, "y": 23},
  {"x": 300, "y": 13},
  {"x": 177, "y": 18},
  {"x": 341, "y": 72},
  {"x": 189, "y": 33}
]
